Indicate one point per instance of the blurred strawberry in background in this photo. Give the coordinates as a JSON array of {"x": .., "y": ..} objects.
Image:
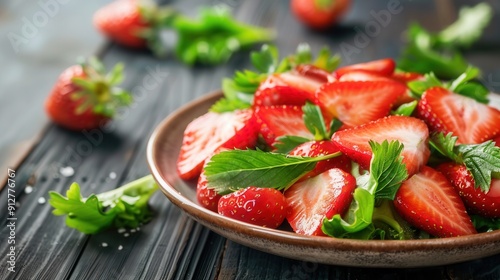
[{"x": 319, "y": 14}]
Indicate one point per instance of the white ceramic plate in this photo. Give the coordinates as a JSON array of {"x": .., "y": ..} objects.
[{"x": 163, "y": 150}]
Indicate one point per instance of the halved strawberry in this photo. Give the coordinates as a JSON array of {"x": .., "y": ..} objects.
[
  {"x": 258, "y": 206},
  {"x": 312, "y": 200},
  {"x": 384, "y": 67},
  {"x": 207, "y": 197},
  {"x": 236, "y": 129},
  {"x": 291, "y": 88},
  {"x": 409, "y": 131},
  {"x": 356, "y": 103},
  {"x": 472, "y": 122},
  {"x": 322, "y": 148},
  {"x": 405, "y": 77},
  {"x": 476, "y": 201},
  {"x": 429, "y": 202},
  {"x": 276, "y": 121},
  {"x": 363, "y": 75}
]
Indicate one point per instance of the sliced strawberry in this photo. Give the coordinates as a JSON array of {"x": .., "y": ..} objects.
[
  {"x": 207, "y": 197},
  {"x": 363, "y": 75},
  {"x": 405, "y": 77},
  {"x": 236, "y": 129},
  {"x": 291, "y": 88},
  {"x": 276, "y": 121},
  {"x": 409, "y": 131},
  {"x": 321, "y": 148},
  {"x": 281, "y": 95},
  {"x": 258, "y": 206},
  {"x": 429, "y": 202},
  {"x": 472, "y": 122},
  {"x": 384, "y": 67},
  {"x": 314, "y": 73},
  {"x": 476, "y": 201},
  {"x": 312, "y": 200},
  {"x": 356, "y": 103}
]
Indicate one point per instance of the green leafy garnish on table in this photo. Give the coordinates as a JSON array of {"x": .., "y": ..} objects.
[
  {"x": 440, "y": 52},
  {"x": 215, "y": 36},
  {"x": 238, "y": 90},
  {"x": 126, "y": 206},
  {"x": 372, "y": 186},
  {"x": 482, "y": 160}
]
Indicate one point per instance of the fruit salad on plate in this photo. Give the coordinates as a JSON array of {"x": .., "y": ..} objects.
[{"x": 362, "y": 151}]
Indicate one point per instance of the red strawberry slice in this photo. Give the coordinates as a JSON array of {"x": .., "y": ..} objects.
[
  {"x": 291, "y": 88},
  {"x": 356, "y": 103},
  {"x": 312, "y": 200},
  {"x": 472, "y": 122},
  {"x": 384, "y": 67},
  {"x": 314, "y": 73},
  {"x": 476, "y": 201},
  {"x": 429, "y": 202},
  {"x": 322, "y": 148},
  {"x": 205, "y": 134},
  {"x": 281, "y": 95},
  {"x": 276, "y": 121},
  {"x": 409, "y": 131},
  {"x": 258, "y": 206},
  {"x": 364, "y": 75},
  {"x": 405, "y": 77},
  {"x": 207, "y": 197}
]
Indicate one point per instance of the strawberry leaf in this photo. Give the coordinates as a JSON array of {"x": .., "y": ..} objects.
[
  {"x": 284, "y": 144},
  {"x": 387, "y": 170},
  {"x": 229, "y": 171},
  {"x": 314, "y": 121}
]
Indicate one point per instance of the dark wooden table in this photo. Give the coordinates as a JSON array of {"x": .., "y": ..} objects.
[{"x": 171, "y": 246}]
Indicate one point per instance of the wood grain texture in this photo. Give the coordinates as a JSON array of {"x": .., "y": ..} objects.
[{"x": 172, "y": 246}]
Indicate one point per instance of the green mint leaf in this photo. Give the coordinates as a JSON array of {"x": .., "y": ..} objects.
[
  {"x": 314, "y": 121},
  {"x": 126, "y": 206},
  {"x": 481, "y": 160},
  {"x": 285, "y": 144},
  {"x": 418, "y": 87},
  {"x": 335, "y": 125},
  {"x": 387, "y": 170},
  {"x": 470, "y": 74},
  {"x": 445, "y": 145},
  {"x": 405, "y": 109},
  {"x": 468, "y": 28},
  {"x": 229, "y": 171},
  {"x": 474, "y": 90},
  {"x": 228, "y": 105},
  {"x": 483, "y": 224},
  {"x": 266, "y": 60}
]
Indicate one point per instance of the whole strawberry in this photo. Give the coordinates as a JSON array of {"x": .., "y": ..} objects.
[
  {"x": 319, "y": 14},
  {"x": 84, "y": 97},
  {"x": 133, "y": 23},
  {"x": 258, "y": 206}
]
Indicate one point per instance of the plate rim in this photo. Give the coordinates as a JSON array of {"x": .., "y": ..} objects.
[{"x": 218, "y": 222}]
